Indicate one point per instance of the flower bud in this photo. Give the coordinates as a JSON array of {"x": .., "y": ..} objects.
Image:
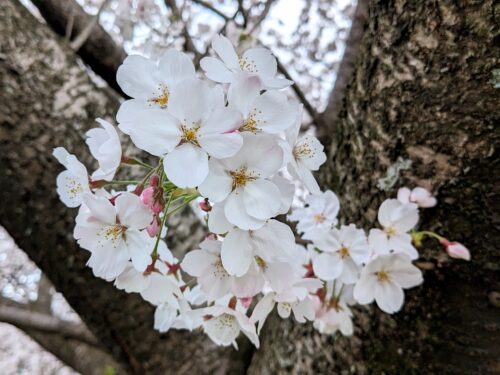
[
  {"x": 153, "y": 228},
  {"x": 147, "y": 196},
  {"x": 154, "y": 180},
  {"x": 205, "y": 205},
  {"x": 456, "y": 250}
]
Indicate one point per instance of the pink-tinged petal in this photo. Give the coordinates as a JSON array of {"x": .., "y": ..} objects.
[
  {"x": 280, "y": 276},
  {"x": 404, "y": 195},
  {"x": 389, "y": 296},
  {"x": 422, "y": 197},
  {"x": 235, "y": 211},
  {"x": 236, "y": 252},
  {"x": 100, "y": 208},
  {"x": 458, "y": 251},
  {"x": 243, "y": 93},
  {"x": 137, "y": 77},
  {"x": 132, "y": 212},
  {"x": 221, "y": 120},
  {"x": 186, "y": 166},
  {"x": 224, "y": 48},
  {"x": 327, "y": 266},
  {"x": 216, "y": 70},
  {"x": 262, "y": 199},
  {"x": 217, "y": 185}
]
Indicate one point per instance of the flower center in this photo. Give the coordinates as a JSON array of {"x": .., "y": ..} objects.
[
  {"x": 190, "y": 134},
  {"x": 319, "y": 218},
  {"x": 162, "y": 97},
  {"x": 261, "y": 262},
  {"x": 303, "y": 150},
  {"x": 249, "y": 125},
  {"x": 390, "y": 231},
  {"x": 344, "y": 252},
  {"x": 219, "y": 270},
  {"x": 73, "y": 186},
  {"x": 240, "y": 177},
  {"x": 382, "y": 276},
  {"x": 247, "y": 65},
  {"x": 111, "y": 233}
]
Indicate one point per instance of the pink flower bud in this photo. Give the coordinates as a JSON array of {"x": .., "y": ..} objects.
[
  {"x": 205, "y": 205},
  {"x": 457, "y": 250},
  {"x": 422, "y": 197},
  {"x": 154, "y": 180},
  {"x": 211, "y": 236},
  {"x": 404, "y": 195},
  {"x": 147, "y": 196},
  {"x": 157, "y": 207},
  {"x": 246, "y": 302},
  {"x": 153, "y": 228}
]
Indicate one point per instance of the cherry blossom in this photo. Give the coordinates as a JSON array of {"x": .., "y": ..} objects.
[
  {"x": 456, "y": 249},
  {"x": 150, "y": 84},
  {"x": 72, "y": 183},
  {"x": 344, "y": 250},
  {"x": 257, "y": 62},
  {"x": 196, "y": 127},
  {"x": 397, "y": 219},
  {"x": 305, "y": 154},
  {"x": 321, "y": 211},
  {"x": 383, "y": 280},
  {"x": 112, "y": 233},
  {"x": 270, "y": 112},
  {"x": 223, "y": 325},
  {"x": 422, "y": 197},
  {"x": 242, "y": 182},
  {"x": 105, "y": 147}
]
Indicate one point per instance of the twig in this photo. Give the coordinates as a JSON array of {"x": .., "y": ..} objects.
[
  {"x": 243, "y": 12},
  {"x": 211, "y": 8},
  {"x": 189, "y": 45},
  {"x": 262, "y": 16},
  {"x": 69, "y": 25},
  {"x": 78, "y": 42}
]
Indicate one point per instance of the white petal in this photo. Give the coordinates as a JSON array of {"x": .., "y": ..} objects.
[
  {"x": 223, "y": 47},
  {"x": 139, "y": 249},
  {"x": 100, "y": 208},
  {"x": 364, "y": 291},
  {"x": 132, "y": 212},
  {"x": 70, "y": 188},
  {"x": 275, "y": 83},
  {"x": 137, "y": 76},
  {"x": 404, "y": 195},
  {"x": 327, "y": 266},
  {"x": 262, "y": 199},
  {"x": 217, "y": 185},
  {"x": 216, "y": 70},
  {"x": 192, "y": 101},
  {"x": 217, "y": 222},
  {"x": 287, "y": 191},
  {"x": 284, "y": 310},
  {"x": 235, "y": 211},
  {"x": 236, "y": 253},
  {"x": 243, "y": 93},
  {"x": 221, "y": 145},
  {"x": 196, "y": 262},
  {"x": 221, "y": 120},
  {"x": 175, "y": 66},
  {"x": 164, "y": 317},
  {"x": 261, "y": 311},
  {"x": 274, "y": 113},
  {"x": 186, "y": 166},
  {"x": 389, "y": 296},
  {"x": 260, "y": 60},
  {"x": 131, "y": 281},
  {"x": 402, "y": 243}
]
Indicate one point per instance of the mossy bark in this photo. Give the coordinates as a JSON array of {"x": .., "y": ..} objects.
[{"x": 421, "y": 92}]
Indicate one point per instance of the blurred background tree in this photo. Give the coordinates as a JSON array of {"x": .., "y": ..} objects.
[{"x": 409, "y": 83}]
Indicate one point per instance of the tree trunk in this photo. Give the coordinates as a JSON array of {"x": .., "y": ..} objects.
[
  {"x": 48, "y": 100},
  {"x": 422, "y": 92}
]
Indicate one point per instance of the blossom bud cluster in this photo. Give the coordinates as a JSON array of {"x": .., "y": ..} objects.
[{"x": 229, "y": 142}]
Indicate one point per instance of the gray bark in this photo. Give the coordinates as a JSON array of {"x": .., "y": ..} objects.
[
  {"x": 421, "y": 91},
  {"x": 48, "y": 100}
]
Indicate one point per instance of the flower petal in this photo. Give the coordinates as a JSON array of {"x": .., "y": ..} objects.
[
  {"x": 186, "y": 166},
  {"x": 262, "y": 199},
  {"x": 327, "y": 266},
  {"x": 132, "y": 212},
  {"x": 236, "y": 252}
]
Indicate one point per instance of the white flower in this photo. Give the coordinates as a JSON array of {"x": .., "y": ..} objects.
[
  {"x": 113, "y": 233},
  {"x": 164, "y": 317},
  {"x": 72, "y": 183},
  {"x": 223, "y": 325},
  {"x": 242, "y": 182},
  {"x": 269, "y": 243},
  {"x": 422, "y": 197},
  {"x": 343, "y": 251},
  {"x": 305, "y": 155},
  {"x": 334, "y": 318},
  {"x": 321, "y": 211},
  {"x": 197, "y": 126},
  {"x": 151, "y": 84},
  {"x": 294, "y": 299},
  {"x": 270, "y": 112},
  {"x": 104, "y": 145},
  {"x": 206, "y": 265},
  {"x": 397, "y": 219},
  {"x": 383, "y": 280},
  {"x": 256, "y": 61}
]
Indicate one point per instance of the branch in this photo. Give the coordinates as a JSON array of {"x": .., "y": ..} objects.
[
  {"x": 212, "y": 9},
  {"x": 78, "y": 42},
  {"x": 99, "y": 51},
  {"x": 188, "y": 45},
  {"x": 22, "y": 316},
  {"x": 346, "y": 68},
  {"x": 262, "y": 16}
]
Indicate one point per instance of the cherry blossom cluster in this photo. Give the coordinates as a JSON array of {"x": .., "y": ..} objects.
[{"x": 233, "y": 144}]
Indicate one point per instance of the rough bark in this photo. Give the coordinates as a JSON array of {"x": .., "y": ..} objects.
[
  {"x": 99, "y": 51},
  {"x": 48, "y": 100},
  {"x": 421, "y": 91}
]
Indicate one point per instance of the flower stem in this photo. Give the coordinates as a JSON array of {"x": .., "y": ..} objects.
[
  {"x": 163, "y": 219},
  {"x": 129, "y": 182},
  {"x": 430, "y": 234}
]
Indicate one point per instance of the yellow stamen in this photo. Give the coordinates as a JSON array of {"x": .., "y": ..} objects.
[
  {"x": 319, "y": 218},
  {"x": 240, "y": 178},
  {"x": 390, "y": 231},
  {"x": 247, "y": 65},
  {"x": 162, "y": 98},
  {"x": 344, "y": 252},
  {"x": 261, "y": 262},
  {"x": 382, "y": 276}
]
